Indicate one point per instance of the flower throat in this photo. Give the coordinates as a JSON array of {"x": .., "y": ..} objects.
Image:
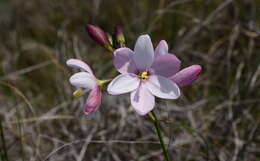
[{"x": 143, "y": 75}]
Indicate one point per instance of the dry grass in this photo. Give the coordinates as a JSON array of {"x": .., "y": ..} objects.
[{"x": 216, "y": 119}]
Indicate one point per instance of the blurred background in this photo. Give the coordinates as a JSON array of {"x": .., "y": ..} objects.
[{"x": 216, "y": 119}]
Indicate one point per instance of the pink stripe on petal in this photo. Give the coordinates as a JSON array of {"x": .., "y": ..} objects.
[
  {"x": 93, "y": 101},
  {"x": 187, "y": 75},
  {"x": 123, "y": 61},
  {"x": 166, "y": 65},
  {"x": 142, "y": 100},
  {"x": 161, "y": 49},
  {"x": 76, "y": 63}
]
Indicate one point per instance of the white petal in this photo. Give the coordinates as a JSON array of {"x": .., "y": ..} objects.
[
  {"x": 144, "y": 52},
  {"x": 162, "y": 48},
  {"x": 163, "y": 87},
  {"x": 76, "y": 63},
  {"x": 123, "y": 83},
  {"x": 142, "y": 100},
  {"x": 83, "y": 80}
]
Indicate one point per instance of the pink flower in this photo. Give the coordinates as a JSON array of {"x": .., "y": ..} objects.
[
  {"x": 145, "y": 73},
  {"x": 86, "y": 80}
]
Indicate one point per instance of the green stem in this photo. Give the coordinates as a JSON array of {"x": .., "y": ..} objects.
[{"x": 158, "y": 131}]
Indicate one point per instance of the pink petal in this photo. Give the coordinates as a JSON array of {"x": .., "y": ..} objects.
[
  {"x": 93, "y": 100},
  {"x": 163, "y": 87},
  {"x": 187, "y": 75},
  {"x": 76, "y": 63},
  {"x": 123, "y": 60},
  {"x": 166, "y": 65},
  {"x": 162, "y": 48},
  {"x": 142, "y": 100},
  {"x": 83, "y": 80},
  {"x": 144, "y": 52},
  {"x": 123, "y": 83}
]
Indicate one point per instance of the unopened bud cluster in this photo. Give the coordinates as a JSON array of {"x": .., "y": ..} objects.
[{"x": 105, "y": 40}]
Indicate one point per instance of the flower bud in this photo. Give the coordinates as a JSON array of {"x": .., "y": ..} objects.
[
  {"x": 120, "y": 38},
  {"x": 99, "y": 36}
]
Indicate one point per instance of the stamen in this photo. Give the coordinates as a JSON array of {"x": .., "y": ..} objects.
[
  {"x": 78, "y": 93},
  {"x": 143, "y": 75}
]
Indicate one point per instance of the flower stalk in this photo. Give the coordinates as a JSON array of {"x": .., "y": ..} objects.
[{"x": 156, "y": 123}]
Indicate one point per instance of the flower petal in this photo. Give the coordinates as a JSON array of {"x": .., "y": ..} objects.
[
  {"x": 162, "y": 48},
  {"x": 166, "y": 65},
  {"x": 93, "y": 101},
  {"x": 187, "y": 75},
  {"x": 83, "y": 80},
  {"x": 142, "y": 100},
  {"x": 76, "y": 63},
  {"x": 123, "y": 83},
  {"x": 144, "y": 52},
  {"x": 123, "y": 60},
  {"x": 163, "y": 87}
]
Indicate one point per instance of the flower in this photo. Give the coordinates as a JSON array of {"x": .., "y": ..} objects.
[
  {"x": 145, "y": 73},
  {"x": 86, "y": 80}
]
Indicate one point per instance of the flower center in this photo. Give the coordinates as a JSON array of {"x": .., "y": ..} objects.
[{"x": 143, "y": 75}]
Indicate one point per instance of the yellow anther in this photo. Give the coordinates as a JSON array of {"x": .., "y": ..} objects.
[
  {"x": 143, "y": 75},
  {"x": 78, "y": 93},
  {"x": 102, "y": 82}
]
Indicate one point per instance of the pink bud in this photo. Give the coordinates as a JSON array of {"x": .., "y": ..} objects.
[{"x": 99, "y": 36}]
